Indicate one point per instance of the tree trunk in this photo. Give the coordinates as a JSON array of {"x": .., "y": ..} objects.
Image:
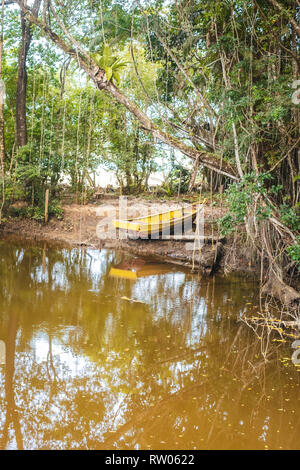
[
  {"x": 194, "y": 174},
  {"x": 21, "y": 125},
  {"x": 11, "y": 412},
  {"x": 2, "y": 97}
]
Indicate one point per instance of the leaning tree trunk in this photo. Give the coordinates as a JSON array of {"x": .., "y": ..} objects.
[{"x": 21, "y": 125}]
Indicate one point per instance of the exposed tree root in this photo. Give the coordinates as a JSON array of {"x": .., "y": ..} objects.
[{"x": 275, "y": 287}]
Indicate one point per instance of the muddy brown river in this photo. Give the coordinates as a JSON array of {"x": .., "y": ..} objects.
[{"x": 101, "y": 350}]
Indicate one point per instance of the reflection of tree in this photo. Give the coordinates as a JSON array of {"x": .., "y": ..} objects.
[
  {"x": 170, "y": 371},
  {"x": 12, "y": 416},
  {"x": 222, "y": 402}
]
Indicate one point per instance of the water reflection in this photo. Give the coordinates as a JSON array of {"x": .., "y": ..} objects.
[
  {"x": 2, "y": 352},
  {"x": 138, "y": 267},
  {"x": 95, "y": 361}
]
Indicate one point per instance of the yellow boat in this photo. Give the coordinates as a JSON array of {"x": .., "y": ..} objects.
[{"x": 161, "y": 223}]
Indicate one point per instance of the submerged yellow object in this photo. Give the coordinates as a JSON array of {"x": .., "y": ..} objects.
[
  {"x": 124, "y": 273},
  {"x": 155, "y": 224},
  {"x": 138, "y": 268}
]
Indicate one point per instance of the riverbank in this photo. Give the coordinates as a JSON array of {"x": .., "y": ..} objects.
[{"x": 91, "y": 225}]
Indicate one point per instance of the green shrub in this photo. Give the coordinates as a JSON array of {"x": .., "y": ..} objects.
[
  {"x": 290, "y": 217},
  {"x": 294, "y": 251},
  {"x": 239, "y": 198}
]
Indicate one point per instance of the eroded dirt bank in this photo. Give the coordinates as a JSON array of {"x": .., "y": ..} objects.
[{"x": 91, "y": 225}]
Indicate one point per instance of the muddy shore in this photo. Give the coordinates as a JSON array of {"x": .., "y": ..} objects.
[{"x": 91, "y": 226}]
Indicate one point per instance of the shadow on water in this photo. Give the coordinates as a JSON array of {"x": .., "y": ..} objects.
[{"x": 95, "y": 359}]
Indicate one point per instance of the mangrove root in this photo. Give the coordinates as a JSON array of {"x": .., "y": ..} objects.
[{"x": 280, "y": 290}]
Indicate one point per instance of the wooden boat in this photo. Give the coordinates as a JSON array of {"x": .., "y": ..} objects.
[
  {"x": 138, "y": 268},
  {"x": 152, "y": 226}
]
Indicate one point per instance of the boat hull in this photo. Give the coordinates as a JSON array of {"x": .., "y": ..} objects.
[{"x": 154, "y": 226}]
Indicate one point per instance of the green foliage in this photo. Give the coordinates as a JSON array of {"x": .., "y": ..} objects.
[
  {"x": 290, "y": 217},
  {"x": 35, "y": 213},
  {"x": 240, "y": 197},
  {"x": 129, "y": 152},
  {"x": 178, "y": 177},
  {"x": 110, "y": 63},
  {"x": 55, "y": 209},
  {"x": 294, "y": 251}
]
